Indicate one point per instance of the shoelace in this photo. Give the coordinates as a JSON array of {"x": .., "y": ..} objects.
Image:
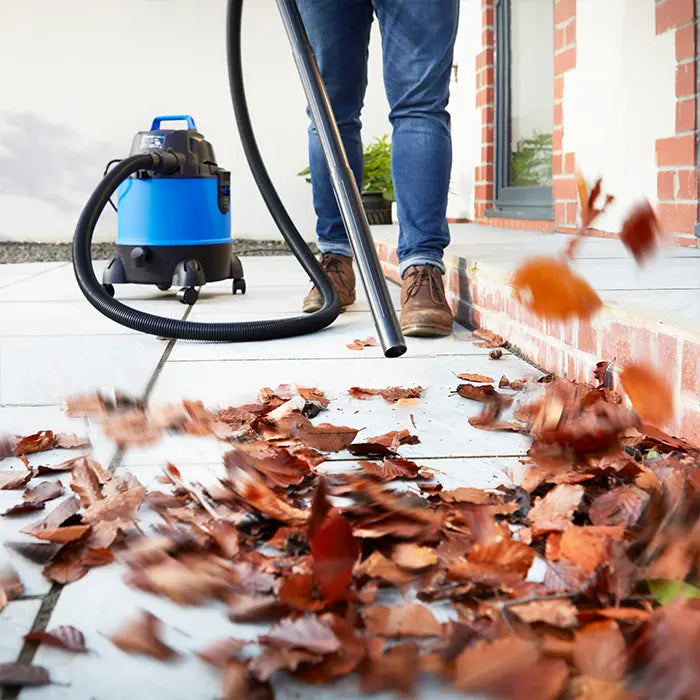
[
  {"x": 420, "y": 276},
  {"x": 330, "y": 264}
]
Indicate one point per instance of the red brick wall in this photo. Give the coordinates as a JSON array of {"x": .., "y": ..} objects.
[
  {"x": 485, "y": 103},
  {"x": 563, "y": 164},
  {"x": 677, "y": 184},
  {"x": 677, "y": 174}
]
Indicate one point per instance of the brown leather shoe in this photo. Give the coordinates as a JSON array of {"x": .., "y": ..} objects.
[
  {"x": 342, "y": 276},
  {"x": 424, "y": 309}
]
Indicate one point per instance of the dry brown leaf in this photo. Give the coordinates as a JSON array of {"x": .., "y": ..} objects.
[
  {"x": 377, "y": 566},
  {"x": 256, "y": 494},
  {"x": 394, "y": 439},
  {"x": 391, "y": 394},
  {"x": 272, "y": 660},
  {"x": 491, "y": 339},
  {"x": 297, "y": 591},
  {"x": 22, "y": 508},
  {"x": 64, "y": 637},
  {"x": 254, "y": 608},
  {"x": 68, "y": 533},
  {"x": 221, "y": 653},
  {"x": 555, "y": 511},
  {"x": 10, "y": 586},
  {"x": 43, "y": 491},
  {"x": 390, "y": 469},
  {"x": 590, "y": 688},
  {"x": 413, "y": 556},
  {"x": 173, "y": 579},
  {"x": 409, "y": 620},
  {"x": 395, "y": 668},
  {"x": 650, "y": 395},
  {"x": 482, "y": 665},
  {"x": 641, "y": 232},
  {"x": 499, "y": 562},
  {"x": 621, "y": 506},
  {"x": 549, "y": 288},
  {"x": 600, "y": 651},
  {"x": 314, "y": 634},
  {"x": 87, "y": 405},
  {"x": 324, "y": 436},
  {"x": 478, "y": 378},
  {"x": 143, "y": 636},
  {"x": 69, "y": 441},
  {"x": 238, "y": 683},
  {"x": 588, "y": 546},
  {"x": 313, "y": 395},
  {"x": 120, "y": 501},
  {"x": 558, "y": 613},
  {"x": 64, "y": 510},
  {"x": 7, "y": 445},
  {"x": 334, "y": 551},
  {"x": 587, "y": 201},
  {"x": 278, "y": 466},
  {"x": 38, "y": 442},
  {"x": 19, "y": 675},
  {"x": 14, "y": 479},
  {"x": 87, "y": 479},
  {"x": 131, "y": 428},
  {"x": 358, "y": 344},
  {"x": 484, "y": 393}
]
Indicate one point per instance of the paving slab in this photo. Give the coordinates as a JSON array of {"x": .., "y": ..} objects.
[
  {"x": 44, "y": 372},
  {"x": 13, "y": 273},
  {"x": 53, "y": 344},
  {"x": 440, "y": 419},
  {"x": 16, "y": 620}
]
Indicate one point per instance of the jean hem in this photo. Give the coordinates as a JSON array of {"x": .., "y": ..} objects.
[
  {"x": 335, "y": 248},
  {"x": 421, "y": 260}
]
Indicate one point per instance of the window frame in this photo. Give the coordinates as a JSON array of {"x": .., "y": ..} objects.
[{"x": 509, "y": 201}]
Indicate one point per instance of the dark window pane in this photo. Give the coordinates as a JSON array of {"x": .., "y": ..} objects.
[{"x": 531, "y": 92}]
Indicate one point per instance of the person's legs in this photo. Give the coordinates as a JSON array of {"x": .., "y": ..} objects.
[
  {"x": 338, "y": 31},
  {"x": 417, "y": 41}
]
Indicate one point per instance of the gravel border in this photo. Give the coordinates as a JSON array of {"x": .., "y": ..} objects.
[{"x": 61, "y": 252}]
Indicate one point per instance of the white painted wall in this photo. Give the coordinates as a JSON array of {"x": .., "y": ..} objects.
[
  {"x": 80, "y": 77},
  {"x": 619, "y": 99},
  {"x": 466, "y": 118}
]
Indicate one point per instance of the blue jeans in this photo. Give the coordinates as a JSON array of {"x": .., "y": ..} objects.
[{"x": 417, "y": 45}]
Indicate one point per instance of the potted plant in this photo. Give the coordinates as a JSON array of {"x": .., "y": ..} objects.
[{"x": 377, "y": 185}]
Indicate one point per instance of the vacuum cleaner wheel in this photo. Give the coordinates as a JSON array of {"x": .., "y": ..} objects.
[{"x": 188, "y": 295}]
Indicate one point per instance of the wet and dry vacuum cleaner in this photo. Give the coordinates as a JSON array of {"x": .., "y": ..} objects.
[
  {"x": 174, "y": 227},
  {"x": 174, "y": 220}
]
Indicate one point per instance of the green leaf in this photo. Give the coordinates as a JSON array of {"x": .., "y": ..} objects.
[{"x": 666, "y": 591}]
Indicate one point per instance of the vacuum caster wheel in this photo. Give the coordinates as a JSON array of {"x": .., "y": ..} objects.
[
  {"x": 109, "y": 288},
  {"x": 188, "y": 295},
  {"x": 163, "y": 287},
  {"x": 239, "y": 286}
]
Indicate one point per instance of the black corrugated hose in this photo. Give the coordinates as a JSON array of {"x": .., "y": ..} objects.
[{"x": 174, "y": 328}]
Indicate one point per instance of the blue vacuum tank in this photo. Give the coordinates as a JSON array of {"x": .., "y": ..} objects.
[{"x": 174, "y": 228}]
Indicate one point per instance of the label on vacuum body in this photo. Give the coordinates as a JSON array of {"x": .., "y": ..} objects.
[{"x": 152, "y": 142}]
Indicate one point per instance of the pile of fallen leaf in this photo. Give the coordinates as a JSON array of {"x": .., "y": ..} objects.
[{"x": 608, "y": 506}]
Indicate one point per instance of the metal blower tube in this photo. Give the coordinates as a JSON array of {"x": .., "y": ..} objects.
[{"x": 344, "y": 185}]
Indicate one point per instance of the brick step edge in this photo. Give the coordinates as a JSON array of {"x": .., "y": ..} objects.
[{"x": 481, "y": 296}]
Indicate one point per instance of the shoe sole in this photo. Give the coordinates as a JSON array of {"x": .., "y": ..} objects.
[
  {"x": 420, "y": 330},
  {"x": 310, "y": 308}
]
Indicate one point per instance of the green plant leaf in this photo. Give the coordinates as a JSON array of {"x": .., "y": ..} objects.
[{"x": 665, "y": 591}]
